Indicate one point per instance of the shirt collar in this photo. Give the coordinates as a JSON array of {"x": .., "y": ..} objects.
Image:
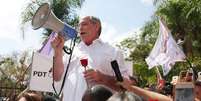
[{"x": 95, "y": 42}]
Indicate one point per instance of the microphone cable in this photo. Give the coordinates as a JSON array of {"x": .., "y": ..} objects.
[{"x": 70, "y": 52}]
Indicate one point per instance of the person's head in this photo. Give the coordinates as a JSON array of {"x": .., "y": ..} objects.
[
  {"x": 30, "y": 96},
  {"x": 198, "y": 89},
  {"x": 124, "y": 96},
  {"x": 190, "y": 77},
  {"x": 182, "y": 76},
  {"x": 89, "y": 29},
  {"x": 97, "y": 93},
  {"x": 49, "y": 98},
  {"x": 168, "y": 89}
]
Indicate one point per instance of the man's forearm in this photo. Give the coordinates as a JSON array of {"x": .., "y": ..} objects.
[
  {"x": 110, "y": 81},
  {"x": 58, "y": 66}
]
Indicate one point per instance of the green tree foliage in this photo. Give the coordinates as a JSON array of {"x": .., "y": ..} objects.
[
  {"x": 139, "y": 49},
  {"x": 183, "y": 18},
  {"x": 13, "y": 74}
]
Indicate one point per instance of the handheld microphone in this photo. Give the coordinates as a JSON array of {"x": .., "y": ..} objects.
[{"x": 115, "y": 67}]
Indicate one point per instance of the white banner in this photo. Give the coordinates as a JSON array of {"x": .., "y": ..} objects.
[{"x": 41, "y": 74}]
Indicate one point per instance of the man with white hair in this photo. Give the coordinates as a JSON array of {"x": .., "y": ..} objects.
[{"x": 99, "y": 56}]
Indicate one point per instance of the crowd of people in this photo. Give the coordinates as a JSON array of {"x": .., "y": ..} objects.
[
  {"x": 130, "y": 92},
  {"x": 98, "y": 82}
]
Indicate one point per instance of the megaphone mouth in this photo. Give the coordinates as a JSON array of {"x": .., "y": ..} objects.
[{"x": 41, "y": 16}]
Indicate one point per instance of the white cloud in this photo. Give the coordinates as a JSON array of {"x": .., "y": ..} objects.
[
  {"x": 111, "y": 34},
  {"x": 9, "y": 21},
  {"x": 148, "y": 2},
  {"x": 131, "y": 33},
  {"x": 10, "y": 33}
]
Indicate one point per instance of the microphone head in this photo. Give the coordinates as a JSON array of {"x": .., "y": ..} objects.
[{"x": 41, "y": 16}]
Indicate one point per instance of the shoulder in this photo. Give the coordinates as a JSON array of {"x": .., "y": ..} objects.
[
  {"x": 112, "y": 50},
  {"x": 109, "y": 46}
]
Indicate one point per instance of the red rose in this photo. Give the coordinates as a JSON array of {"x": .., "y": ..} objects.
[{"x": 84, "y": 62}]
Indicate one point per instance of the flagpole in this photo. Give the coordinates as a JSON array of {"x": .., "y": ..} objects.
[
  {"x": 160, "y": 80},
  {"x": 158, "y": 73}
]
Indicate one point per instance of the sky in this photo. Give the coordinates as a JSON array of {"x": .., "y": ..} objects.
[{"x": 120, "y": 19}]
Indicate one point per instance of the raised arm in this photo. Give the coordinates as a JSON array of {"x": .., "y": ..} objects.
[{"x": 58, "y": 44}]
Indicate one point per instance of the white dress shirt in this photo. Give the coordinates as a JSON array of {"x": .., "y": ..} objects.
[{"x": 99, "y": 55}]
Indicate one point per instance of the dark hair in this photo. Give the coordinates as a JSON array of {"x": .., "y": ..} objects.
[
  {"x": 31, "y": 96},
  {"x": 124, "y": 96},
  {"x": 167, "y": 89},
  {"x": 97, "y": 93},
  {"x": 49, "y": 98},
  {"x": 96, "y": 20}
]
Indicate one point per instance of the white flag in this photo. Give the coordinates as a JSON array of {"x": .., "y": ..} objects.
[{"x": 165, "y": 51}]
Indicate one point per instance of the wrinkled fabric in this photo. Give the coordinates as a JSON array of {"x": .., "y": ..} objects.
[
  {"x": 165, "y": 51},
  {"x": 99, "y": 55}
]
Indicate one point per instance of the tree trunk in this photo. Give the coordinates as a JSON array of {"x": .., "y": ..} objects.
[{"x": 188, "y": 46}]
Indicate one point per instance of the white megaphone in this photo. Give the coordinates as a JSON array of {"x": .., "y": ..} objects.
[{"x": 44, "y": 17}]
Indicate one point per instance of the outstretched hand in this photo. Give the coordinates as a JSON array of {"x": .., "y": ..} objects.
[{"x": 126, "y": 83}]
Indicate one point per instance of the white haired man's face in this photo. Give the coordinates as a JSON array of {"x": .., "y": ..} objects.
[{"x": 88, "y": 31}]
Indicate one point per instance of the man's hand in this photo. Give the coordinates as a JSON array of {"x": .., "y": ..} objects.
[
  {"x": 93, "y": 76},
  {"x": 96, "y": 77},
  {"x": 58, "y": 44}
]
